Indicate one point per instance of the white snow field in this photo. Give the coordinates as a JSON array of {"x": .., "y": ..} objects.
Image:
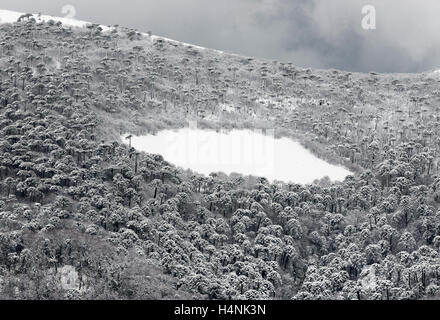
[{"x": 248, "y": 152}]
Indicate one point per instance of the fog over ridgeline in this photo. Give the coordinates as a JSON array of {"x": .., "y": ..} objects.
[{"x": 310, "y": 33}]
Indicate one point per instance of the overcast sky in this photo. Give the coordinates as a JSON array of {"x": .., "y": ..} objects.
[{"x": 311, "y": 33}]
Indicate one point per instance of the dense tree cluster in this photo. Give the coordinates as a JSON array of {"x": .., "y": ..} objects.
[{"x": 133, "y": 226}]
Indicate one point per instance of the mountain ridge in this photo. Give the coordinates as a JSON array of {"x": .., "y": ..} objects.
[
  {"x": 77, "y": 202},
  {"x": 10, "y": 16}
]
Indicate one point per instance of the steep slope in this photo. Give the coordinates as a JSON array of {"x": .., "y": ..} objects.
[{"x": 73, "y": 195}]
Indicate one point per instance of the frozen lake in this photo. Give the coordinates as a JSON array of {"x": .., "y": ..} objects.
[{"x": 248, "y": 152}]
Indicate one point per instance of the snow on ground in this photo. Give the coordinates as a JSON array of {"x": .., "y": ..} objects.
[
  {"x": 369, "y": 279},
  {"x": 8, "y": 16},
  {"x": 153, "y": 37}
]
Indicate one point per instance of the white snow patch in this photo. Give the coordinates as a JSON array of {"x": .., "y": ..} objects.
[
  {"x": 153, "y": 37},
  {"x": 69, "y": 278},
  {"x": 368, "y": 278},
  {"x": 57, "y": 64}
]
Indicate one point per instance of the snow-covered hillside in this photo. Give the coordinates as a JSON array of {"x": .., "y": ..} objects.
[{"x": 8, "y": 16}]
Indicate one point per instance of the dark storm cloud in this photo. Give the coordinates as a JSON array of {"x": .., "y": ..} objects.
[
  {"x": 312, "y": 33},
  {"x": 405, "y": 39}
]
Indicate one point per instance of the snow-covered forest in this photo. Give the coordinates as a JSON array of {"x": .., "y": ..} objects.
[{"x": 85, "y": 216}]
